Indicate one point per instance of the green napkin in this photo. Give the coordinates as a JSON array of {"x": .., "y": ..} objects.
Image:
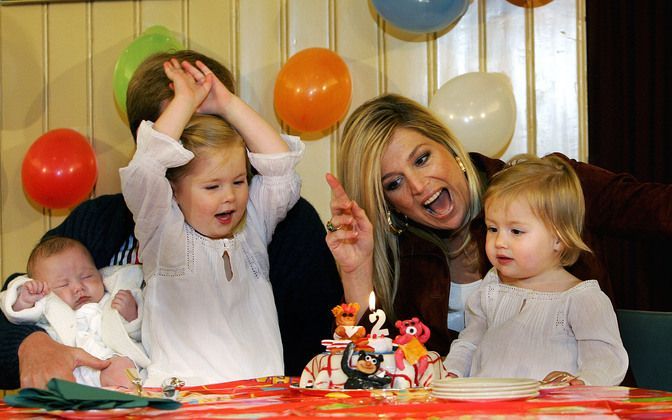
[{"x": 65, "y": 395}]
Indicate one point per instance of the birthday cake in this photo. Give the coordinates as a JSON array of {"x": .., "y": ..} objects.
[{"x": 357, "y": 360}]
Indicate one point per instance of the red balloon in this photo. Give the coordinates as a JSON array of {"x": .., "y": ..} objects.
[
  {"x": 312, "y": 90},
  {"x": 59, "y": 169}
]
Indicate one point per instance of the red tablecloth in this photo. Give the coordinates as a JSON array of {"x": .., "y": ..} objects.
[{"x": 274, "y": 397}]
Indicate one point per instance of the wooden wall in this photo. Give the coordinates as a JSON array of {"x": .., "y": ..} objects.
[{"x": 57, "y": 60}]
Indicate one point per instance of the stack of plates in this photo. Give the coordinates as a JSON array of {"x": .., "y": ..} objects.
[{"x": 485, "y": 389}]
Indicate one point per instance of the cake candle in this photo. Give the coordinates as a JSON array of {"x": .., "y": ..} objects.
[{"x": 378, "y": 316}]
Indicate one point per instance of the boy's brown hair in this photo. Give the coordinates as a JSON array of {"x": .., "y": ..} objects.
[{"x": 149, "y": 86}]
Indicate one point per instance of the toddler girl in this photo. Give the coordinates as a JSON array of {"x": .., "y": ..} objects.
[{"x": 531, "y": 318}]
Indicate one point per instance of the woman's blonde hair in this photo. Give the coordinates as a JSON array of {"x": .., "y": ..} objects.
[
  {"x": 553, "y": 191},
  {"x": 209, "y": 134},
  {"x": 365, "y": 135}
]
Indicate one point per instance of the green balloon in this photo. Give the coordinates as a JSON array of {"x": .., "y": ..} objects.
[{"x": 153, "y": 40}]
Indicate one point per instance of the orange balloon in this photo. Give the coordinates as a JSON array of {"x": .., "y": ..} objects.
[
  {"x": 59, "y": 169},
  {"x": 312, "y": 90}
]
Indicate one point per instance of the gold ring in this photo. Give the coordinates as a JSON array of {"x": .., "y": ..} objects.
[{"x": 331, "y": 227}]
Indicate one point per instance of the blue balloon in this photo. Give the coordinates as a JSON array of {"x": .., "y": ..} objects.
[{"x": 421, "y": 16}]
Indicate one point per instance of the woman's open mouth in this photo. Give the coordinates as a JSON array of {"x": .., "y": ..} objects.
[{"x": 440, "y": 203}]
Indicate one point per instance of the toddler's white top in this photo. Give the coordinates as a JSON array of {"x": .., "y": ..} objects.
[
  {"x": 519, "y": 333},
  {"x": 198, "y": 325}
]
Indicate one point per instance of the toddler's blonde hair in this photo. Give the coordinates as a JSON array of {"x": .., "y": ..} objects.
[{"x": 553, "y": 191}]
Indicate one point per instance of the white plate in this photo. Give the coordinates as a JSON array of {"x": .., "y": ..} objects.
[
  {"x": 480, "y": 383},
  {"x": 522, "y": 388},
  {"x": 487, "y": 394},
  {"x": 485, "y": 397}
]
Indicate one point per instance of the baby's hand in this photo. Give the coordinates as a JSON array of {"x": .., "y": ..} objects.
[
  {"x": 219, "y": 97},
  {"x": 29, "y": 293},
  {"x": 557, "y": 377},
  {"x": 125, "y": 303}
]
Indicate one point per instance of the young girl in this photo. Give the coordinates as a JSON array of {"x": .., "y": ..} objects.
[
  {"x": 531, "y": 318},
  {"x": 209, "y": 310}
]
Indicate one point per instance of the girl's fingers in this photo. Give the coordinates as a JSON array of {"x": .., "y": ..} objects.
[
  {"x": 193, "y": 71},
  {"x": 203, "y": 68}
]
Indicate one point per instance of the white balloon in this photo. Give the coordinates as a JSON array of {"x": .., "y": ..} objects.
[{"x": 479, "y": 109}]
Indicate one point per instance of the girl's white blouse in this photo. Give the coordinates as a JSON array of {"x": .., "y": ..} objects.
[
  {"x": 519, "y": 333},
  {"x": 198, "y": 325}
]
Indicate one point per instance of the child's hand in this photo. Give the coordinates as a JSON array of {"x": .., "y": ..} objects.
[
  {"x": 557, "y": 376},
  {"x": 29, "y": 293},
  {"x": 219, "y": 97},
  {"x": 125, "y": 303},
  {"x": 190, "y": 88}
]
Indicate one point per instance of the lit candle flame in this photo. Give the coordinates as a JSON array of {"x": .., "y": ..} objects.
[{"x": 372, "y": 301}]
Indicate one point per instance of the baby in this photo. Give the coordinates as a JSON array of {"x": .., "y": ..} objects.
[{"x": 64, "y": 293}]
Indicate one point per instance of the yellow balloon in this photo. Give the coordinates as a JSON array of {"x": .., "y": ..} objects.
[{"x": 480, "y": 110}]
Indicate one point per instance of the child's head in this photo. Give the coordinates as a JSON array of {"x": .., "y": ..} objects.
[
  {"x": 149, "y": 89},
  {"x": 535, "y": 207},
  {"x": 212, "y": 189},
  {"x": 68, "y": 269}
]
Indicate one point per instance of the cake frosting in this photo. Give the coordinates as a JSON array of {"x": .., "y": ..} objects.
[
  {"x": 374, "y": 360},
  {"x": 324, "y": 372}
]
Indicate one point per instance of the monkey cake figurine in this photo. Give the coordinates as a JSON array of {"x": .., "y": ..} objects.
[{"x": 365, "y": 374}]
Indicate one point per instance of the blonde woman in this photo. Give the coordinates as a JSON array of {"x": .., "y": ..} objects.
[{"x": 407, "y": 222}]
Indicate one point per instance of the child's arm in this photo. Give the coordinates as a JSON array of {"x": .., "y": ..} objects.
[
  {"x": 601, "y": 356},
  {"x": 189, "y": 94},
  {"x": 29, "y": 293},
  {"x": 258, "y": 135}
]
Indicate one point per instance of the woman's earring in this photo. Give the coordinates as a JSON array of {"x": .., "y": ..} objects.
[
  {"x": 394, "y": 229},
  {"x": 460, "y": 164}
]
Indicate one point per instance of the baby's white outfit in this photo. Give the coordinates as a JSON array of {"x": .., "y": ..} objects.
[
  {"x": 199, "y": 325},
  {"x": 94, "y": 327},
  {"x": 513, "y": 332}
]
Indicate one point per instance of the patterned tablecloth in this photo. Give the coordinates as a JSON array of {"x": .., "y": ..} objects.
[{"x": 278, "y": 397}]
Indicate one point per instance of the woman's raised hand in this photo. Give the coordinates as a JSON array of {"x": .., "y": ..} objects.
[{"x": 350, "y": 239}]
